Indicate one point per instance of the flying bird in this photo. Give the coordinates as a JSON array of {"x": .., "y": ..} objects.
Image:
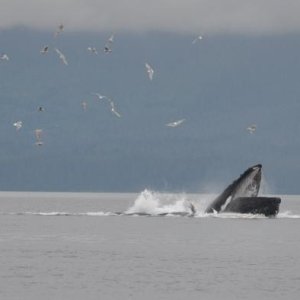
[
  {"x": 107, "y": 49},
  {"x": 61, "y": 56},
  {"x": 113, "y": 110},
  {"x": 252, "y": 128},
  {"x": 149, "y": 70},
  {"x": 59, "y": 30},
  {"x": 92, "y": 50},
  {"x": 198, "y": 38},
  {"x": 111, "y": 39},
  {"x": 18, "y": 125},
  {"x": 111, "y": 103},
  {"x": 38, "y": 136},
  {"x": 84, "y": 105},
  {"x": 108, "y": 45},
  {"x": 100, "y": 97},
  {"x": 175, "y": 123},
  {"x": 4, "y": 57},
  {"x": 44, "y": 50}
]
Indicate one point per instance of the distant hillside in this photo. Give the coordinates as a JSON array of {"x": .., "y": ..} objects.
[{"x": 220, "y": 85}]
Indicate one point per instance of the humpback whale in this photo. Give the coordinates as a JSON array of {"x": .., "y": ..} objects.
[{"x": 241, "y": 196}]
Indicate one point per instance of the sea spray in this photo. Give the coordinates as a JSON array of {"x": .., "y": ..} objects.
[{"x": 152, "y": 203}]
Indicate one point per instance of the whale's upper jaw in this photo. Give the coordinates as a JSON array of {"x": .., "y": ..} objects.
[
  {"x": 248, "y": 184},
  {"x": 258, "y": 166}
]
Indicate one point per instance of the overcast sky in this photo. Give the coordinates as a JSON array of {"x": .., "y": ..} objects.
[{"x": 183, "y": 16}]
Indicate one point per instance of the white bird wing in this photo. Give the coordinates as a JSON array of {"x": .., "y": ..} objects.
[
  {"x": 4, "y": 57},
  {"x": 175, "y": 123},
  {"x": 59, "y": 30},
  {"x": 38, "y": 134},
  {"x": 100, "y": 96},
  {"x": 111, "y": 38},
  {"x": 93, "y": 50},
  {"x": 115, "y": 112},
  {"x": 112, "y": 106},
  {"x": 180, "y": 121},
  {"x": 197, "y": 39},
  {"x": 251, "y": 128},
  {"x": 18, "y": 125},
  {"x": 150, "y": 71},
  {"x": 170, "y": 124},
  {"x": 61, "y": 56}
]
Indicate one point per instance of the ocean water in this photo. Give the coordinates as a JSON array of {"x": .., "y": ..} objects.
[{"x": 116, "y": 246}]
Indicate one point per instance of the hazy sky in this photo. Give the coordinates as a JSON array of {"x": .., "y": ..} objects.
[{"x": 184, "y": 16}]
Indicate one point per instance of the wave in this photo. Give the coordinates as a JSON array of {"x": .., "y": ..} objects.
[
  {"x": 153, "y": 203},
  {"x": 287, "y": 215},
  {"x": 283, "y": 215},
  {"x": 61, "y": 214}
]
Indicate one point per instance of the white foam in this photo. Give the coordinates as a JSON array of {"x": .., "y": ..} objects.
[
  {"x": 99, "y": 214},
  {"x": 60, "y": 213},
  {"x": 168, "y": 211},
  {"x": 287, "y": 215},
  {"x": 152, "y": 203}
]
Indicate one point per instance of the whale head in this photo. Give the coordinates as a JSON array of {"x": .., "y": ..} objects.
[{"x": 247, "y": 185}]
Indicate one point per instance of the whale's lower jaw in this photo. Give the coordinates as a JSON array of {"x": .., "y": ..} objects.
[{"x": 268, "y": 206}]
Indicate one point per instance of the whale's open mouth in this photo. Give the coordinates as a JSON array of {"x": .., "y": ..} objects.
[{"x": 241, "y": 196}]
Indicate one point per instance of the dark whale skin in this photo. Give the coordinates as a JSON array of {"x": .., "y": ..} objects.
[
  {"x": 241, "y": 196},
  {"x": 268, "y": 206}
]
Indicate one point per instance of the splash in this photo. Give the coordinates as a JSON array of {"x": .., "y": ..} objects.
[
  {"x": 152, "y": 203},
  {"x": 265, "y": 187},
  {"x": 287, "y": 215}
]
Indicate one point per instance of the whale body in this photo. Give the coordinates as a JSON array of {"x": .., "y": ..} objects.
[{"x": 241, "y": 196}]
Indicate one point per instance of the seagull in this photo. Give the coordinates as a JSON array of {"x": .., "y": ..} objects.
[
  {"x": 107, "y": 48},
  {"x": 251, "y": 128},
  {"x": 18, "y": 125},
  {"x": 108, "y": 45},
  {"x": 111, "y": 39},
  {"x": 38, "y": 136},
  {"x": 44, "y": 50},
  {"x": 100, "y": 97},
  {"x": 59, "y": 30},
  {"x": 61, "y": 56},
  {"x": 92, "y": 49},
  {"x": 149, "y": 70},
  {"x": 176, "y": 123},
  {"x": 110, "y": 101},
  {"x": 4, "y": 57},
  {"x": 198, "y": 38},
  {"x": 84, "y": 105},
  {"x": 112, "y": 107}
]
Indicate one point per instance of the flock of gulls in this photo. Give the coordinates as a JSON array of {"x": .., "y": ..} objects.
[{"x": 108, "y": 48}]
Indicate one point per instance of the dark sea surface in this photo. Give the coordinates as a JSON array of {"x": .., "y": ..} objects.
[{"x": 116, "y": 246}]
